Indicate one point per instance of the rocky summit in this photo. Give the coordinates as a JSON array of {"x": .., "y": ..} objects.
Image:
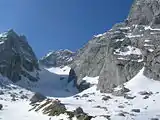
[
  {"x": 145, "y": 12},
  {"x": 58, "y": 58},
  {"x": 17, "y": 57},
  {"x": 117, "y": 55}
]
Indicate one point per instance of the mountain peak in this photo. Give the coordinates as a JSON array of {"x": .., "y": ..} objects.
[
  {"x": 66, "y": 50},
  {"x": 58, "y": 58},
  {"x": 145, "y": 12},
  {"x": 10, "y": 32},
  {"x": 18, "y": 56}
]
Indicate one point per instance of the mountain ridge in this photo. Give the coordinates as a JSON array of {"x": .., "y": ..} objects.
[
  {"x": 58, "y": 58},
  {"x": 117, "y": 55}
]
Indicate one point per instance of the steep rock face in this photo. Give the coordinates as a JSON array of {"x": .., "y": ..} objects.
[
  {"x": 114, "y": 56},
  {"x": 117, "y": 55},
  {"x": 58, "y": 58},
  {"x": 72, "y": 76},
  {"x": 145, "y": 12},
  {"x": 90, "y": 59},
  {"x": 17, "y": 58}
]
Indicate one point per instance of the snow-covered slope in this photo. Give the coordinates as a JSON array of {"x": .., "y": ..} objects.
[
  {"x": 57, "y": 70},
  {"x": 15, "y": 97},
  {"x": 116, "y": 106},
  {"x": 52, "y": 82},
  {"x": 91, "y": 100}
]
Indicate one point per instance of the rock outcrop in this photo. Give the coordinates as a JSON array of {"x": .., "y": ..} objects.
[
  {"x": 55, "y": 108},
  {"x": 58, "y": 58},
  {"x": 72, "y": 76},
  {"x": 145, "y": 12},
  {"x": 1, "y": 106},
  {"x": 117, "y": 55},
  {"x": 17, "y": 57}
]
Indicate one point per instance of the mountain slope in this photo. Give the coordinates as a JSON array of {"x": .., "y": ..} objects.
[
  {"x": 106, "y": 106},
  {"x": 19, "y": 64},
  {"x": 117, "y": 55},
  {"x": 91, "y": 101},
  {"x": 17, "y": 57},
  {"x": 13, "y": 98},
  {"x": 51, "y": 84}
]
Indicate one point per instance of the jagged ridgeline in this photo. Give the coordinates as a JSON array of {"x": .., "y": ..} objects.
[
  {"x": 117, "y": 55},
  {"x": 57, "y": 58},
  {"x": 17, "y": 57}
]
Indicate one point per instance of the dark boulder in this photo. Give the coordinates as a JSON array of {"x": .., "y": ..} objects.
[
  {"x": 145, "y": 93},
  {"x": 79, "y": 110},
  {"x": 129, "y": 97},
  {"x": 85, "y": 95},
  {"x": 121, "y": 106},
  {"x": 79, "y": 113},
  {"x": 105, "y": 98},
  {"x": 1, "y": 106},
  {"x": 121, "y": 114},
  {"x": 83, "y": 86},
  {"x": 24, "y": 97},
  {"x": 136, "y": 110},
  {"x": 1, "y": 93},
  {"x": 146, "y": 97}
]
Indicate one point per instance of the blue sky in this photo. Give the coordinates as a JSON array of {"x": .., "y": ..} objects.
[{"x": 61, "y": 24}]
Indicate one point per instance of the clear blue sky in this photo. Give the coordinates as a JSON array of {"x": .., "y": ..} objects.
[{"x": 59, "y": 24}]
